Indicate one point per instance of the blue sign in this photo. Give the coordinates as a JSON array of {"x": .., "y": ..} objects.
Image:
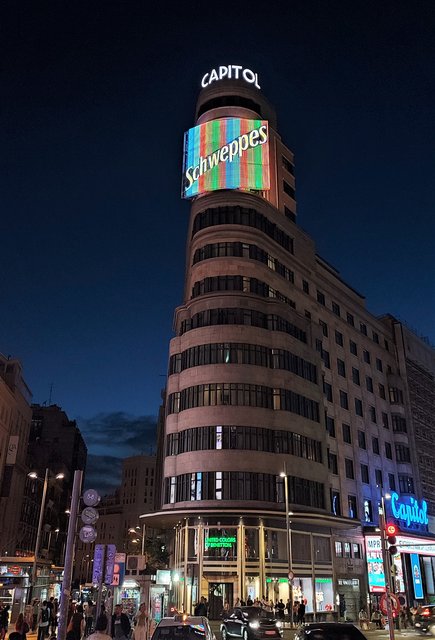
[
  {"x": 416, "y": 576},
  {"x": 408, "y": 510}
]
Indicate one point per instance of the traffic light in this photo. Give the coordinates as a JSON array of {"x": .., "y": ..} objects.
[{"x": 391, "y": 531}]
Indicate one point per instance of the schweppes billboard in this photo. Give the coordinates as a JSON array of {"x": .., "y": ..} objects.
[{"x": 230, "y": 153}]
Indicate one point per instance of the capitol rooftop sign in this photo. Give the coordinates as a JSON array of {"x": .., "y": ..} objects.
[
  {"x": 230, "y": 72},
  {"x": 408, "y": 511}
]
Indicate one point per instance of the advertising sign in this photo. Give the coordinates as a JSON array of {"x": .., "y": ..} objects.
[
  {"x": 224, "y": 542},
  {"x": 416, "y": 576},
  {"x": 118, "y": 570},
  {"x": 229, "y": 153},
  {"x": 97, "y": 571},
  {"x": 409, "y": 511},
  {"x": 110, "y": 563},
  {"x": 375, "y": 565}
]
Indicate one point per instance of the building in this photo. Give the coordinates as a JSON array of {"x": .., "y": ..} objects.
[{"x": 283, "y": 390}]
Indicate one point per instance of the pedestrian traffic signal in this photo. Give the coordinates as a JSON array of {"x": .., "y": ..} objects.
[{"x": 391, "y": 531}]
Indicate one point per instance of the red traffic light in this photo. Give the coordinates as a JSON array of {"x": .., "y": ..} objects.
[{"x": 391, "y": 529}]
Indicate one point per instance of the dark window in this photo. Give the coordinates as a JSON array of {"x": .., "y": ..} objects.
[
  {"x": 402, "y": 453},
  {"x": 289, "y": 214},
  {"x": 343, "y": 400},
  {"x": 350, "y": 319},
  {"x": 336, "y": 308},
  {"x": 385, "y": 422},
  {"x": 332, "y": 463},
  {"x": 365, "y": 474},
  {"x": 406, "y": 484},
  {"x": 369, "y": 384},
  {"x": 358, "y": 407},
  {"x": 355, "y": 376},
  {"x": 238, "y": 283},
  {"x": 325, "y": 358},
  {"x": 382, "y": 391},
  {"x": 372, "y": 411},
  {"x": 399, "y": 424},
  {"x": 352, "y": 505},
  {"x": 379, "y": 364},
  {"x": 347, "y": 436},
  {"x": 349, "y": 468},
  {"x": 379, "y": 478},
  {"x": 375, "y": 337},
  {"x": 341, "y": 368},
  {"x": 388, "y": 451},
  {"x": 362, "y": 440},
  {"x": 375, "y": 446},
  {"x": 307, "y": 313},
  {"x": 327, "y": 390},
  {"x": 330, "y": 426},
  {"x": 305, "y": 286},
  {"x": 353, "y": 348},
  {"x": 387, "y": 346},
  {"x": 321, "y": 297},
  {"x": 396, "y": 395},
  {"x": 339, "y": 338},
  {"x": 335, "y": 503},
  {"x": 392, "y": 481},
  {"x": 324, "y": 328},
  {"x": 363, "y": 328},
  {"x": 366, "y": 356},
  {"x": 286, "y": 163},
  {"x": 288, "y": 189}
]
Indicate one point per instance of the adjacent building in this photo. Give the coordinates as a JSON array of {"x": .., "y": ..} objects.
[{"x": 283, "y": 390}]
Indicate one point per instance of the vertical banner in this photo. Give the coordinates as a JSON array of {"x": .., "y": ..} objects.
[
  {"x": 118, "y": 570},
  {"x": 97, "y": 572},
  {"x": 375, "y": 564},
  {"x": 110, "y": 563},
  {"x": 416, "y": 576}
]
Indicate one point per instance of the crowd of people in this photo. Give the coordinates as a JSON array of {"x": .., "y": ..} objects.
[{"x": 405, "y": 618}]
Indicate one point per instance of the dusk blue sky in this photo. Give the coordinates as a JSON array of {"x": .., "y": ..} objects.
[{"x": 95, "y": 99}]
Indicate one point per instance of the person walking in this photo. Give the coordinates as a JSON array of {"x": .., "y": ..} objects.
[
  {"x": 76, "y": 625},
  {"x": 301, "y": 613},
  {"x": 43, "y": 621},
  {"x": 142, "y": 625},
  {"x": 120, "y": 624},
  {"x": 21, "y": 626},
  {"x": 35, "y": 612},
  {"x": 89, "y": 617},
  {"x": 100, "y": 632}
]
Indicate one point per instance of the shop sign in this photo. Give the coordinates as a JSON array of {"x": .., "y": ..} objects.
[
  {"x": 220, "y": 543},
  {"x": 375, "y": 565},
  {"x": 421, "y": 546},
  {"x": 110, "y": 563},
  {"x": 230, "y": 72},
  {"x": 343, "y": 582},
  {"x": 118, "y": 570},
  {"x": 408, "y": 510},
  {"x": 416, "y": 576},
  {"x": 276, "y": 580},
  {"x": 163, "y": 576},
  {"x": 97, "y": 572}
]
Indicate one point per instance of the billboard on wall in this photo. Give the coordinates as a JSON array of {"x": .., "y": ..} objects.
[
  {"x": 375, "y": 564},
  {"x": 229, "y": 153}
]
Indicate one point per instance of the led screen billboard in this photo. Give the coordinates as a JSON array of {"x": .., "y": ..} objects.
[{"x": 229, "y": 153}]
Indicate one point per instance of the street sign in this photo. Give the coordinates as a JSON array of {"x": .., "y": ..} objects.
[
  {"x": 91, "y": 498},
  {"x": 395, "y": 604},
  {"x": 90, "y": 515},
  {"x": 87, "y": 534}
]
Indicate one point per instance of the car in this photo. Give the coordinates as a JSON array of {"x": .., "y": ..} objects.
[
  {"x": 329, "y": 631},
  {"x": 183, "y": 627},
  {"x": 425, "y": 620},
  {"x": 250, "y": 623}
]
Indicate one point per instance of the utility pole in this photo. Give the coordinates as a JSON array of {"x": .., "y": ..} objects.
[{"x": 387, "y": 568}]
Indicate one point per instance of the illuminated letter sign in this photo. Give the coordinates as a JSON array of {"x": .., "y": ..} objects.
[
  {"x": 230, "y": 71},
  {"x": 408, "y": 510},
  {"x": 230, "y": 153},
  {"x": 220, "y": 543}
]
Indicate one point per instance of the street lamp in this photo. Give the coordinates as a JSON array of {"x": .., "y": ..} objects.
[
  {"x": 288, "y": 513},
  {"x": 139, "y": 538},
  {"x": 386, "y": 563},
  {"x": 34, "y": 476}
]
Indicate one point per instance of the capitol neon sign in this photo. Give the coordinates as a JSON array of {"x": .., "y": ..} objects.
[
  {"x": 230, "y": 71},
  {"x": 409, "y": 510}
]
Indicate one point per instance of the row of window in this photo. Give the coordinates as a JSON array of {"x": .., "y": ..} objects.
[
  {"x": 353, "y": 348},
  {"x": 242, "y": 216},
  {"x": 347, "y": 549},
  {"x": 239, "y": 283},
  {"x": 245, "y": 317},
  {"x": 243, "y": 438},
  {"x": 399, "y": 426},
  {"x": 406, "y": 485},
  {"x": 242, "y": 353},
  {"x": 243, "y": 395},
  {"x": 243, "y": 250},
  {"x": 242, "y": 485},
  {"x": 402, "y": 455}
]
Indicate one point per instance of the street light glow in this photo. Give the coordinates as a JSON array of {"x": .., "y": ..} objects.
[{"x": 33, "y": 475}]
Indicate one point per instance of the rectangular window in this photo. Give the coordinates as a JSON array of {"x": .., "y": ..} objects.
[
  {"x": 363, "y": 328},
  {"x": 375, "y": 337},
  {"x": 339, "y": 338},
  {"x": 343, "y": 400},
  {"x": 368, "y": 511},
  {"x": 369, "y": 384},
  {"x": 350, "y": 319},
  {"x": 341, "y": 368},
  {"x": 327, "y": 390},
  {"x": 392, "y": 481},
  {"x": 382, "y": 391},
  {"x": 379, "y": 478},
  {"x": 325, "y": 358},
  {"x": 366, "y": 356},
  {"x": 347, "y": 549},
  {"x": 358, "y": 407},
  {"x": 349, "y": 468},
  {"x": 335, "y": 503},
  {"x": 324, "y": 328},
  {"x": 406, "y": 484},
  {"x": 330, "y": 426},
  {"x": 388, "y": 451},
  {"x": 375, "y": 446},
  {"x": 288, "y": 189},
  {"x": 362, "y": 440},
  {"x": 387, "y": 346},
  {"x": 402, "y": 453},
  {"x": 336, "y": 309},
  {"x": 353, "y": 348},
  {"x": 385, "y": 421},
  {"x": 379, "y": 366},
  {"x": 338, "y": 549},
  {"x": 307, "y": 313},
  {"x": 332, "y": 463},
  {"x": 365, "y": 474},
  {"x": 290, "y": 215},
  {"x": 356, "y": 550},
  {"x": 347, "y": 436},
  {"x": 355, "y": 376},
  {"x": 321, "y": 297},
  {"x": 287, "y": 165},
  {"x": 353, "y": 512},
  {"x": 305, "y": 286},
  {"x": 373, "y": 414}
]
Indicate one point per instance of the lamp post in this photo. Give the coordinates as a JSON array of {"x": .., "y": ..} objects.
[
  {"x": 283, "y": 475},
  {"x": 139, "y": 538},
  {"x": 386, "y": 563},
  {"x": 34, "y": 476}
]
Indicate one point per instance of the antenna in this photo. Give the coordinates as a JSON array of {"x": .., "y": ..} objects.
[{"x": 51, "y": 392}]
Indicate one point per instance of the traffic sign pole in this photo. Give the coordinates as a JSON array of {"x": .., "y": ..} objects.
[{"x": 387, "y": 572}]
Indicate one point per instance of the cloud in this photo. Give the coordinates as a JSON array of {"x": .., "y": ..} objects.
[
  {"x": 103, "y": 473},
  {"x": 119, "y": 434}
]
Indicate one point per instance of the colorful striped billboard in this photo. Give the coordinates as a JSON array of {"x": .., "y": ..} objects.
[{"x": 230, "y": 153}]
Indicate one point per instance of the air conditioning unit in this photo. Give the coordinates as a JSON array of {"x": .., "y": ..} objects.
[{"x": 136, "y": 563}]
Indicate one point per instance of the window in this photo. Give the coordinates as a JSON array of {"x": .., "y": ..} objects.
[
  {"x": 369, "y": 384},
  {"x": 355, "y": 376},
  {"x": 343, "y": 400},
  {"x": 341, "y": 368},
  {"x": 336, "y": 309},
  {"x": 372, "y": 411},
  {"x": 348, "y": 463},
  {"x": 387, "y": 346},
  {"x": 347, "y": 550},
  {"x": 399, "y": 424},
  {"x": 368, "y": 512},
  {"x": 363, "y": 328},
  {"x": 396, "y": 395},
  {"x": 353, "y": 348},
  {"x": 335, "y": 503},
  {"x": 358, "y": 407},
  {"x": 325, "y": 358},
  {"x": 388, "y": 451},
  {"x": 382, "y": 391},
  {"x": 379, "y": 479},
  {"x": 305, "y": 286},
  {"x": 356, "y": 548},
  {"x": 375, "y": 446},
  {"x": 339, "y": 338},
  {"x": 350, "y": 319},
  {"x": 353, "y": 512},
  {"x": 392, "y": 481},
  {"x": 288, "y": 189},
  {"x": 327, "y": 390},
  {"x": 362, "y": 440},
  {"x": 385, "y": 422},
  {"x": 379, "y": 366},
  {"x": 365, "y": 474},
  {"x": 375, "y": 337},
  {"x": 347, "y": 437},
  {"x": 321, "y": 297},
  {"x": 330, "y": 426},
  {"x": 406, "y": 484},
  {"x": 287, "y": 165},
  {"x": 366, "y": 356},
  {"x": 332, "y": 463},
  {"x": 307, "y": 313},
  {"x": 324, "y": 328},
  {"x": 338, "y": 549},
  {"x": 289, "y": 214},
  {"x": 402, "y": 453}
]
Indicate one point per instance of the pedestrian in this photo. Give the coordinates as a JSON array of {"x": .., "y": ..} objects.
[
  {"x": 89, "y": 617},
  {"x": 120, "y": 624},
  {"x": 249, "y": 602},
  {"x": 44, "y": 621},
  {"x": 201, "y": 607},
  {"x": 100, "y": 632},
  {"x": 142, "y": 625},
  {"x": 55, "y": 612},
  {"x": 296, "y": 611},
  {"x": 35, "y": 612},
  {"x": 77, "y": 623},
  {"x": 363, "y": 620},
  {"x": 301, "y": 613},
  {"x": 377, "y": 618},
  {"x": 21, "y": 626},
  {"x": 281, "y": 610},
  {"x": 50, "y": 606}
]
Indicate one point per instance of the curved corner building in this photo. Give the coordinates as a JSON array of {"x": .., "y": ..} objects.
[{"x": 258, "y": 414}]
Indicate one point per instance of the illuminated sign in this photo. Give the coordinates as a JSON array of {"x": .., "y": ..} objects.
[
  {"x": 391, "y": 529},
  {"x": 375, "y": 565},
  {"x": 408, "y": 510},
  {"x": 220, "y": 543},
  {"x": 416, "y": 576},
  {"x": 229, "y": 153},
  {"x": 230, "y": 72}
]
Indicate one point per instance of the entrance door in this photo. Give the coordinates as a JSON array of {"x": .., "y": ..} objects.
[{"x": 218, "y": 594}]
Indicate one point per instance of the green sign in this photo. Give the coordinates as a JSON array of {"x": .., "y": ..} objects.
[
  {"x": 324, "y": 580},
  {"x": 220, "y": 543},
  {"x": 276, "y": 580}
]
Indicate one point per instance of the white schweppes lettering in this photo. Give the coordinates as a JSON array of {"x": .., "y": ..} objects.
[
  {"x": 227, "y": 153},
  {"x": 231, "y": 72}
]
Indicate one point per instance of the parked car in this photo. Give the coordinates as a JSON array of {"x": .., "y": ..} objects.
[
  {"x": 183, "y": 627},
  {"x": 425, "y": 621},
  {"x": 329, "y": 631},
  {"x": 250, "y": 623}
]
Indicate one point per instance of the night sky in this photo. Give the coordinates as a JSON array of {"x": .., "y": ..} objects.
[{"x": 95, "y": 98}]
